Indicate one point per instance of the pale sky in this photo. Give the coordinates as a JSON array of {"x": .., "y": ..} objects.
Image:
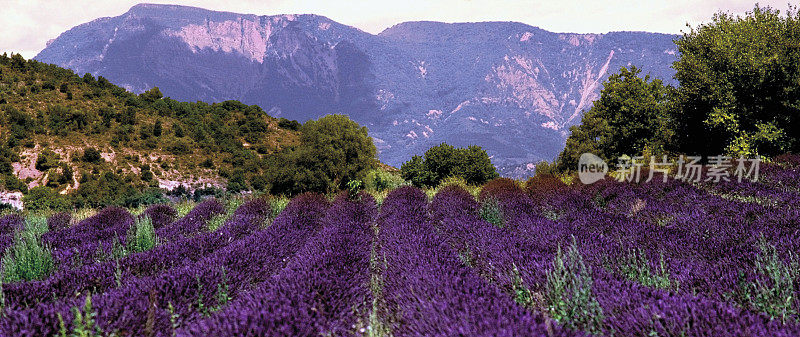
[{"x": 27, "y": 25}]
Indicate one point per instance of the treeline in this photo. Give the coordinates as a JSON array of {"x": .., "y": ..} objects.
[
  {"x": 71, "y": 122},
  {"x": 738, "y": 94}
]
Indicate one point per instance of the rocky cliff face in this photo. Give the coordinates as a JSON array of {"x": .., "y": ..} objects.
[{"x": 512, "y": 88}]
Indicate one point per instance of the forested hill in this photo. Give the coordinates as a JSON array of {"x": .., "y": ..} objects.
[{"x": 99, "y": 143}]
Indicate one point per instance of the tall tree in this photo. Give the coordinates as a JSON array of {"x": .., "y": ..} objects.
[
  {"x": 632, "y": 117},
  {"x": 333, "y": 151},
  {"x": 740, "y": 84}
]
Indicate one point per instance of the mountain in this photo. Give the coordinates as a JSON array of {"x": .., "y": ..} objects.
[{"x": 511, "y": 88}]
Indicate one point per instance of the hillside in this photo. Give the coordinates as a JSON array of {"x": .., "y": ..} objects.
[
  {"x": 511, "y": 88},
  {"x": 51, "y": 116}
]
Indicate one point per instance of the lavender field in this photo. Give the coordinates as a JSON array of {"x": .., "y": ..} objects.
[{"x": 536, "y": 259}]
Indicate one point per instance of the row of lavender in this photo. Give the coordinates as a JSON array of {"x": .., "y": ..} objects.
[
  {"x": 430, "y": 291},
  {"x": 324, "y": 290},
  {"x": 154, "y": 292}
]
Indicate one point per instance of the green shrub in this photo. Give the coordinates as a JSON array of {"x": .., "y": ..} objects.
[
  {"x": 353, "y": 187},
  {"x": 46, "y": 160},
  {"x": 45, "y": 198},
  {"x": 158, "y": 128},
  {"x": 208, "y": 163},
  {"x": 142, "y": 236},
  {"x": 12, "y": 183},
  {"x": 178, "y": 130},
  {"x": 569, "y": 295},
  {"x": 91, "y": 155},
  {"x": 179, "y": 148},
  {"x": 288, "y": 124},
  {"x": 114, "y": 189},
  {"x": 546, "y": 168},
  {"x": 381, "y": 180},
  {"x": 28, "y": 259},
  {"x": 151, "y": 95}
]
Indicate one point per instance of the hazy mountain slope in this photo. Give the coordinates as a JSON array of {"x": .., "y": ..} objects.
[{"x": 510, "y": 87}]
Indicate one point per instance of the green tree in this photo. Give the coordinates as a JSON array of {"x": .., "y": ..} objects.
[
  {"x": 157, "y": 128},
  {"x": 151, "y": 95},
  {"x": 46, "y": 160},
  {"x": 475, "y": 166},
  {"x": 339, "y": 147},
  {"x": 18, "y": 62},
  {"x": 288, "y": 124},
  {"x": 632, "y": 117},
  {"x": 333, "y": 151},
  {"x": 740, "y": 84},
  {"x": 415, "y": 172},
  {"x": 442, "y": 161},
  {"x": 91, "y": 155}
]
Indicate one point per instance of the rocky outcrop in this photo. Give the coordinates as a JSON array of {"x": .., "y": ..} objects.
[{"x": 512, "y": 88}]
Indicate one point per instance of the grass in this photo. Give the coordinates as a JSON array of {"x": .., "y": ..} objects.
[
  {"x": 379, "y": 195},
  {"x": 472, "y": 189},
  {"x": 522, "y": 294},
  {"x": 552, "y": 214},
  {"x": 376, "y": 325},
  {"x": 184, "y": 207},
  {"x": 278, "y": 205},
  {"x": 219, "y": 220},
  {"x": 37, "y": 224},
  {"x": 173, "y": 318},
  {"x": 82, "y": 214},
  {"x": 223, "y": 290},
  {"x": 216, "y": 222},
  {"x": 136, "y": 211}
]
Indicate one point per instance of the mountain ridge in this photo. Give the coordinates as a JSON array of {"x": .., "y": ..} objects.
[{"x": 510, "y": 87}]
